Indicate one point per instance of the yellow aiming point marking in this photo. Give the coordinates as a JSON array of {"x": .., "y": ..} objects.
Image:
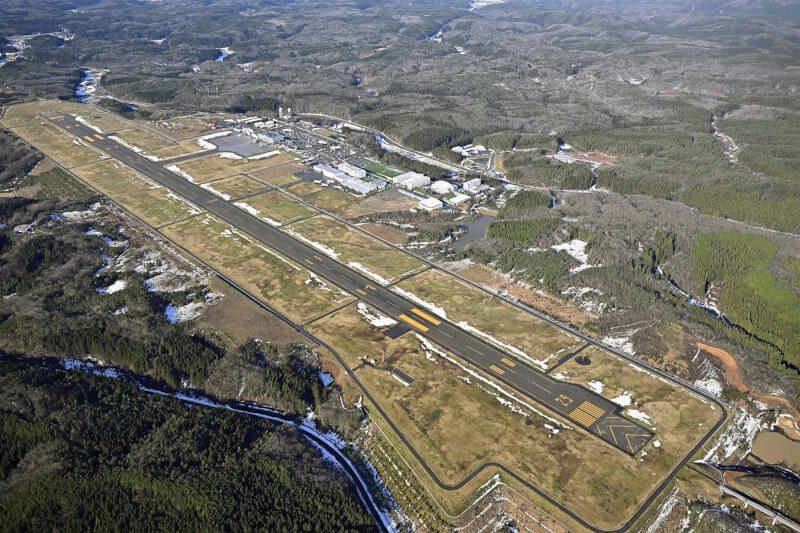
[
  {"x": 497, "y": 370},
  {"x": 88, "y": 138},
  {"x": 99, "y": 137},
  {"x": 414, "y": 323},
  {"x": 426, "y": 316}
]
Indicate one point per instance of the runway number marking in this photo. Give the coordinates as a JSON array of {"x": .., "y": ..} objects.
[
  {"x": 564, "y": 400},
  {"x": 426, "y": 316},
  {"x": 509, "y": 362},
  {"x": 414, "y": 323},
  {"x": 497, "y": 370}
]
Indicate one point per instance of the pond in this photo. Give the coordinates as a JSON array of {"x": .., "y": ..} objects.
[{"x": 476, "y": 229}]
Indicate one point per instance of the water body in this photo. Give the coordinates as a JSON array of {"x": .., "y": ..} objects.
[
  {"x": 86, "y": 88},
  {"x": 701, "y": 305},
  {"x": 476, "y": 229},
  {"x": 775, "y": 448},
  {"x": 225, "y": 53}
]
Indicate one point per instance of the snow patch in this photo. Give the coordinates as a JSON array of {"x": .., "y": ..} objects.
[
  {"x": 641, "y": 416},
  {"x": 117, "y": 286},
  {"x": 623, "y": 400},
  {"x": 177, "y": 170},
  {"x": 376, "y": 319},
  {"x": 211, "y": 189},
  {"x": 229, "y": 155},
  {"x": 127, "y": 145},
  {"x": 656, "y": 444},
  {"x": 183, "y": 313},
  {"x": 710, "y": 385},
  {"x": 622, "y": 344},
  {"x": 319, "y": 246},
  {"x": 596, "y": 386},
  {"x": 368, "y": 272},
  {"x": 416, "y": 299},
  {"x": 265, "y": 155},
  {"x": 87, "y": 124}
]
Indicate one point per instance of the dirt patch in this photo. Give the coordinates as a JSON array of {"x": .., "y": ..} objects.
[
  {"x": 391, "y": 200},
  {"x": 239, "y": 318},
  {"x": 41, "y": 167},
  {"x": 734, "y": 378},
  {"x": 387, "y": 233},
  {"x": 597, "y": 158}
]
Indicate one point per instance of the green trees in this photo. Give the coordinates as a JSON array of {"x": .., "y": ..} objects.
[
  {"x": 520, "y": 230},
  {"x": 121, "y": 459}
]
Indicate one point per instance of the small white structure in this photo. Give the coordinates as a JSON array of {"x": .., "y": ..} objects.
[
  {"x": 443, "y": 187},
  {"x": 456, "y": 199},
  {"x": 352, "y": 170},
  {"x": 354, "y": 184},
  {"x": 412, "y": 180},
  {"x": 469, "y": 150},
  {"x": 430, "y": 204}
]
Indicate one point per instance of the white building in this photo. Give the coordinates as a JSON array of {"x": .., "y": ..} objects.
[
  {"x": 331, "y": 173},
  {"x": 352, "y": 170},
  {"x": 357, "y": 185},
  {"x": 443, "y": 187},
  {"x": 430, "y": 204},
  {"x": 412, "y": 180},
  {"x": 472, "y": 185},
  {"x": 456, "y": 199}
]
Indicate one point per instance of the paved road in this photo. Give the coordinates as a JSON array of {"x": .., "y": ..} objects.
[{"x": 582, "y": 406}]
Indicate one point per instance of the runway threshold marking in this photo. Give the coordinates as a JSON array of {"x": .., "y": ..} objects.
[
  {"x": 426, "y": 316},
  {"x": 414, "y": 323},
  {"x": 509, "y": 362},
  {"x": 583, "y": 417},
  {"x": 497, "y": 370},
  {"x": 592, "y": 409}
]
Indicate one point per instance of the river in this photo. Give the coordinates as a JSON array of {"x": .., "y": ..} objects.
[{"x": 476, "y": 229}]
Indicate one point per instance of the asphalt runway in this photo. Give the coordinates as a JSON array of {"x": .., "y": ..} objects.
[{"x": 579, "y": 405}]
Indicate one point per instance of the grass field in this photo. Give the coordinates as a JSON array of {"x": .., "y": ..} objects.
[
  {"x": 279, "y": 283},
  {"x": 457, "y": 423},
  {"x": 180, "y": 127},
  {"x": 281, "y": 174},
  {"x": 275, "y": 208},
  {"x": 143, "y": 139},
  {"x": 500, "y": 322},
  {"x": 338, "y": 202},
  {"x": 235, "y": 186},
  {"x": 149, "y": 201},
  {"x": 184, "y": 147},
  {"x": 383, "y": 170},
  {"x": 212, "y": 166},
  {"x": 351, "y": 247},
  {"x": 63, "y": 147}
]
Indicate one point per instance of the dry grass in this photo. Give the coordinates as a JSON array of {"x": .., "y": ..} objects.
[
  {"x": 237, "y": 186},
  {"x": 19, "y": 115},
  {"x": 352, "y": 246},
  {"x": 182, "y": 148},
  {"x": 239, "y": 318},
  {"x": 104, "y": 120},
  {"x": 212, "y": 166},
  {"x": 143, "y": 139},
  {"x": 388, "y": 233},
  {"x": 303, "y": 188},
  {"x": 279, "y": 283},
  {"x": 65, "y": 149},
  {"x": 146, "y": 199},
  {"x": 276, "y": 208},
  {"x": 457, "y": 426},
  {"x": 338, "y": 202},
  {"x": 281, "y": 174},
  {"x": 389, "y": 200},
  {"x": 491, "y": 315},
  {"x": 179, "y": 127}
]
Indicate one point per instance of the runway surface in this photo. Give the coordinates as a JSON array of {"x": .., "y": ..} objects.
[{"x": 579, "y": 405}]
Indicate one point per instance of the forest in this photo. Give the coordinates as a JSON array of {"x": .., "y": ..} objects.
[{"x": 114, "y": 457}]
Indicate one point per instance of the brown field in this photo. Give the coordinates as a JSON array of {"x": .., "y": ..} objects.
[
  {"x": 275, "y": 208},
  {"x": 388, "y": 233},
  {"x": 390, "y": 200},
  {"x": 235, "y": 186},
  {"x": 179, "y": 127},
  {"x": 239, "y": 318},
  {"x": 457, "y": 426},
  {"x": 104, "y": 120},
  {"x": 338, "y": 202},
  {"x": 147, "y": 200},
  {"x": 212, "y": 166},
  {"x": 184, "y": 147},
  {"x": 353, "y": 247},
  {"x": 144, "y": 140},
  {"x": 279, "y": 283},
  {"x": 64, "y": 148},
  {"x": 303, "y": 188},
  {"x": 536, "y": 339},
  {"x": 19, "y": 115},
  {"x": 281, "y": 174}
]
